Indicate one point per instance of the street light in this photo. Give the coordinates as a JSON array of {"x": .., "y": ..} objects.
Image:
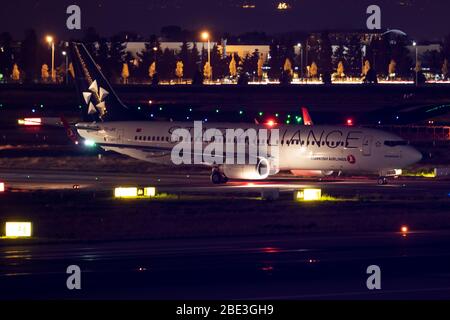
[
  {"x": 51, "y": 42},
  {"x": 416, "y": 68},
  {"x": 205, "y": 36},
  {"x": 64, "y": 53},
  {"x": 299, "y": 45}
]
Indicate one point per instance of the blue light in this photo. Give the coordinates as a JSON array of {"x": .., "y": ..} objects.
[
  {"x": 152, "y": 115},
  {"x": 33, "y": 110},
  {"x": 206, "y": 120}
]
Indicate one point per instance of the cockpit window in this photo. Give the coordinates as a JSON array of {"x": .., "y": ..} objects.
[{"x": 395, "y": 143}]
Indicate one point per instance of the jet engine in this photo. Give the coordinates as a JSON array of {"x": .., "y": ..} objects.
[{"x": 259, "y": 171}]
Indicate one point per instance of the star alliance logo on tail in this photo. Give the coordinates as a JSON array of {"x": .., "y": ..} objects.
[{"x": 100, "y": 95}]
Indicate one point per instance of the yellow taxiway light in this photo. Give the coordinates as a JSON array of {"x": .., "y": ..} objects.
[
  {"x": 308, "y": 195},
  {"x": 134, "y": 192},
  {"x": 18, "y": 229}
]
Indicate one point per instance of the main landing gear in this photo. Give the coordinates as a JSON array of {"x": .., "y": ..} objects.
[
  {"x": 382, "y": 181},
  {"x": 218, "y": 177}
]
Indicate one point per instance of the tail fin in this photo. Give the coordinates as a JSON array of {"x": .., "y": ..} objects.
[
  {"x": 306, "y": 117},
  {"x": 94, "y": 91}
]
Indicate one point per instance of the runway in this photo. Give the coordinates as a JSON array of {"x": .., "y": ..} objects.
[
  {"x": 200, "y": 183},
  {"x": 332, "y": 266}
]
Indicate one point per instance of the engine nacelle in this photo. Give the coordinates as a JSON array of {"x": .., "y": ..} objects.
[
  {"x": 311, "y": 173},
  {"x": 259, "y": 171}
]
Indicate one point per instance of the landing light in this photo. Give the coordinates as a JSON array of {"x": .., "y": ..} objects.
[
  {"x": 308, "y": 195},
  {"x": 18, "y": 229},
  {"x": 134, "y": 192}
]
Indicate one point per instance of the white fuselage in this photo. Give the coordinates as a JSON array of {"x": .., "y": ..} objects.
[{"x": 323, "y": 148}]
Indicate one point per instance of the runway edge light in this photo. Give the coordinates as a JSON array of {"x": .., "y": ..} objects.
[
  {"x": 134, "y": 192},
  {"x": 308, "y": 195},
  {"x": 18, "y": 229}
]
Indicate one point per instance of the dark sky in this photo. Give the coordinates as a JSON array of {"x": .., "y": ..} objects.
[{"x": 422, "y": 19}]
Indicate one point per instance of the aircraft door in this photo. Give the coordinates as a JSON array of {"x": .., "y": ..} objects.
[{"x": 367, "y": 146}]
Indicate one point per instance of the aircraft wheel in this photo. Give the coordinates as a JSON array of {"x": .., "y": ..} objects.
[
  {"x": 382, "y": 181},
  {"x": 218, "y": 178}
]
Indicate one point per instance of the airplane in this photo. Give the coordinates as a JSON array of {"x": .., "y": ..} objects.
[{"x": 317, "y": 149}]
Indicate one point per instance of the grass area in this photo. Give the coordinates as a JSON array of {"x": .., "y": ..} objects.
[{"x": 88, "y": 216}]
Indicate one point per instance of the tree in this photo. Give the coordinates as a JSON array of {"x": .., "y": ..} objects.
[
  {"x": 31, "y": 55},
  {"x": 340, "y": 70},
  {"x": 325, "y": 57},
  {"x": 354, "y": 56},
  {"x": 166, "y": 64},
  {"x": 313, "y": 70},
  {"x": 6, "y": 53},
  {"x": 288, "y": 66},
  {"x": 392, "y": 67},
  {"x": 149, "y": 55},
  {"x": 15, "y": 73},
  {"x": 179, "y": 70},
  {"x": 445, "y": 69},
  {"x": 152, "y": 70},
  {"x": 44, "y": 72},
  {"x": 286, "y": 75},
  {"x": 125, "y": 73},
  {"x": 365, "y": 68},
  {"x": 260, "y": 68},
  {"x": 207, "y": 71},
  {"x": 232, "y": 67},
  {"x": 402, "y": 57}
]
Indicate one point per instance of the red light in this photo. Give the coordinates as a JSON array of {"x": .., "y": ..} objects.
[
  {"x": 271, "y": 123},
  {"x": 349, "y": 122}
]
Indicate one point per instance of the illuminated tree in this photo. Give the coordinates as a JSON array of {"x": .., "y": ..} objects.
[
  {"x": 392, "y": 67},
  {"x": 445, "y": 69},
  {"x": 15, "y": 73},
  {"x": 288, "y": 67},
  {"x": 366, "y": 68},
  {"x": 125, "y": 73},
  {"x": 313, "y": 70},
  {"x": 152, "y": 70},
  {"x": 44, "y": 72},
  {"x": 260, "y": 67},
  {"x": 179, "y": 70},
  {"x": 207, "y": 71},
  {"x": 71, "y": 70},
  {"x": 232, "y": 67},
  {"x": 340, "y": 70}
]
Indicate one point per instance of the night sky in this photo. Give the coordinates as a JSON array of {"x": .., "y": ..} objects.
[{"x": 421, "y": 19}]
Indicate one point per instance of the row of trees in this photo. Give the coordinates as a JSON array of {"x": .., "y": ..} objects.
[{"x": 314, "y": 58}]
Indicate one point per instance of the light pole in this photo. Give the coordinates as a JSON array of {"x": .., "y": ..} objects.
[
  {"x": 205, "y": 36},
  {"x": 64, "y": 53},
  {"x": 301, "y": 60},
  {"x": 52, "y": 44},
  {"x": 417, "y": 67}
]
